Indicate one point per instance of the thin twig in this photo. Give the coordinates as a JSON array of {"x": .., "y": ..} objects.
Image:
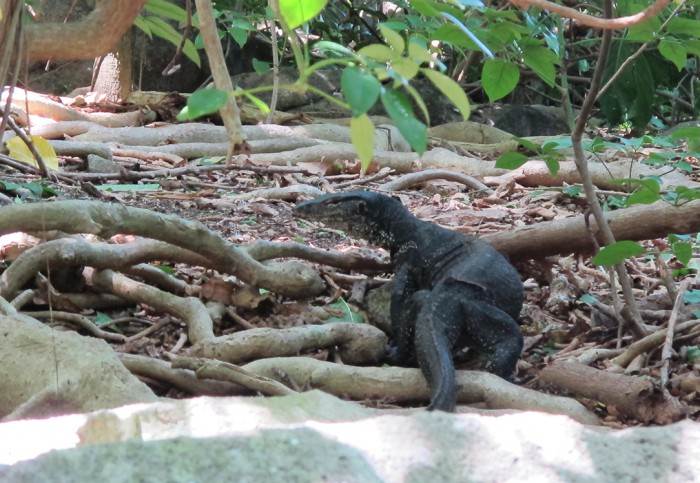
[{"x": 667, "y": 349}]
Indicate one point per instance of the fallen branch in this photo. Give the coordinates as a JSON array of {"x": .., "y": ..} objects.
[{"x": 629, "y": 397}]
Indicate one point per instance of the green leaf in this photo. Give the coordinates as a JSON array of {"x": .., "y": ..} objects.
[
  {"x": 399, "y": 109},
  {"x": 166, "y": 9},
  {"x": 541, "y": 60},
  {"x": 692, "y": 353},
  {"x": 684, "y": 26},
  {"x": 328, "y": 46},
  {"x": 451, "y": 89},
  {"x": 297, "y": 12},
  {"x": 618, "y": 252},
  {"x": 499, "y": 78},
  {"x": 425, "y": 7},
  {"x": 692, "y": 297},
  {"x": 527, "y": 144},
  {"x": 683, "y": 252},
  {"x": 418, "y": 53},
  {"x": 675, "y": 52},
  {"x": 259, "y": 103},
  {"x": 260, "y": 66},
  {"x": 362, "y": 137},
  {"x": 511, "y": 160},
  {"x": 405, "y": 68},
  {"x": 587, "y": 299},
  {"x": 691, "y": 134},
  {"x": 360, "y": 88},
  {"x": 160, "y": 28},
  {"x": 647, "y": 192},
  {"x": 203, "y": 102},
  {"x": 552, "y": 163},
  {"x": 394, "y": 39},
  {"x": 349, "y": 315},
  {"x": 379, "y": 52}
]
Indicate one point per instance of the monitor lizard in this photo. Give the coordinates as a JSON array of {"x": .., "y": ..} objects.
[{"x": 448, "y": 287}]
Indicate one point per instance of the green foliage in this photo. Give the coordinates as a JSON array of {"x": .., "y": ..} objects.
[
  {"x": 203, "y": 102},
  {"x": 34, "y": 190},
  {"x": 692, "y": 354},
  {"x": 349, "y": 315},
  {"x": 618, "y": 252},
  {"x": 155, "y": 25}
]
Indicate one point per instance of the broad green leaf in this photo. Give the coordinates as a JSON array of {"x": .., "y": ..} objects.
[
  {"x": 451, "y": 89},
  {"x": 349, "y": 315},
  {"x": 452, "y": 34},
  {"x": 260, "y": 66},
  {"x": 360, "y": 89},
  {"x": 527, "y": 144},
  {"x": 587, "y": 299},
  {"x": 405, "y": 67},
  {"x": 393, "y": 38},
  {"x": 399, "y": 109},
  {"x": 379, "y": 52},
  {"x": 552, "y": 163},
  {"x": 647, "y": 193},
  {"x": 618, "y": 252},
  {"x": 20, "y": 151},
  {"x": 203, "y": 102},
  {"x": 499, "y": 78},
  {"x": 684, "y": 26},
  {"x": 425, "y": 7},
  {"x": 418, "y": 53},
  {"x": 542, "y": 60},
  {"x": 511, "y": 160},
  {"x": 683, "y": 251},
  {"x": 675, "y": 52},
  {"x": 239, "y": 35},
  {"x": 362, "y": 137},
  {"x": 297, "y": 12}
]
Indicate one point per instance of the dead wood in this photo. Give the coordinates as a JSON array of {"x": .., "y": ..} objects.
[
  {"x": 356, "y": 343},
  {"x": 408, "y": 385},
  {"x": 569, "y": 235},
  {"x": 629, "y": 397}
]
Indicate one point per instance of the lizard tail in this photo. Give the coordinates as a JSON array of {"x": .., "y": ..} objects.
[{"x": 434, "y": 354}]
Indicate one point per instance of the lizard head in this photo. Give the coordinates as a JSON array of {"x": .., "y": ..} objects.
[{"x": 361, "y": 214}]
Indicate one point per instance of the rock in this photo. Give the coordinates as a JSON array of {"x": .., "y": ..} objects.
[{"x": 316, "y": 437}]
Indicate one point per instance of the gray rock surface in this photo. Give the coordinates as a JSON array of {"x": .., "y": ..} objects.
[{"x": 314, "y": 437}]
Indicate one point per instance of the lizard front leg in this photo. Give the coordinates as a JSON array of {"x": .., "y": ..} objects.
[{"x": 403, "y": 310}]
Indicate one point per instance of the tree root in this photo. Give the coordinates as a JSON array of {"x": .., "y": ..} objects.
[
  {"x": 628, "y": 397},
  {"x": 408, "y": 385},
  {"x": 357, "y": 343},
  {"x": 286, "y": 278}
]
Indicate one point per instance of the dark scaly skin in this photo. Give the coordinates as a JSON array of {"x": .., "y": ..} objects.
[{"x": 447, "y": 286}]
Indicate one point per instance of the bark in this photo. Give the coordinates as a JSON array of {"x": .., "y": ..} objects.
[
  {"x": 93, "y": 36},
  {"x": 569, "y": 235}
]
